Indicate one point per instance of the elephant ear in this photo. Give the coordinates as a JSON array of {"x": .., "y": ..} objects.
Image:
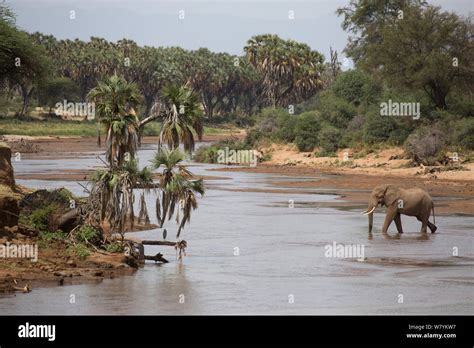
[{"x": 391, "y": 195}]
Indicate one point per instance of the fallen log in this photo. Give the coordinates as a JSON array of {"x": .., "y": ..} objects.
[
  {"x": 158, "y": 242},
  {"x": 24, "y": 289},
  {"x": 157, "y": 258},
  {"x": 139, "y": 244}
]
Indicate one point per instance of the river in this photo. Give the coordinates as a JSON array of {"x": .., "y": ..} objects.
[{"x": 252, "y": 253}]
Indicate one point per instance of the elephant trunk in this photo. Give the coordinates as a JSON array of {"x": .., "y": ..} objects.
[
  {"x": 370, "y": 213},
  {"x": 371, "y": 221}
]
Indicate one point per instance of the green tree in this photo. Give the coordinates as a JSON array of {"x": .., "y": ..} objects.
[
  {"x": 182, "y": 117},
  {"x": 56, "y": 90},
  {"x": 115, "y": 103},
  {"x": 363, "y": 19},
  {"x": 420, "y": 47},
  {"x": 177, "y": 193},
  {"x": 290, "y": 70},
  {"x": 22, "y": 62},
  {"x": 307, "y": 131}
]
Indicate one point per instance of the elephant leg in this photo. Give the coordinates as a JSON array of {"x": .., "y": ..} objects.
[
  {"x": 432, "y": 227},
  {"x": 398, "y": 223},
  {"x": 424, "y": 223},
  {"x": 391, "y": 213}
]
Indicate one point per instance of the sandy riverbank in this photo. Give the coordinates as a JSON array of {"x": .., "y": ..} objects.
[
  {"x": 56, "y": 266},
  {"x": 353, "y": 179},
  {"x": 359, "y": 174}
]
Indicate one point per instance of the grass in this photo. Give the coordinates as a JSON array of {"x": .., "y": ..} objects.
[
  {"x": 52, "y": 127},
  {"x": 13, "y": 126}
]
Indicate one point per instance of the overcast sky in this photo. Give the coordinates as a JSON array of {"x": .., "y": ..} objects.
[{"x": 223, "y": 25}]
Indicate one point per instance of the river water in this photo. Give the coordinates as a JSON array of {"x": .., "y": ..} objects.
[{"x": 251, "y": 253}]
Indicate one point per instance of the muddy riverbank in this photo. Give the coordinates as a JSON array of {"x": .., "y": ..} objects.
[
  {"x": 452, "y": 196},
  {"x": 350, "y": 183}
]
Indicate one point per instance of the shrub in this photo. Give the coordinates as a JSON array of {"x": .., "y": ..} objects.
[
  {"x": 114, "y": 247},
  {"x": 378, "y": 128},
  {"x": 80, "y": 250},
  {"x": 307, "y": 129},
  {"x": 206, "y": 154},
  {"x": 49, "y": 236},
  {"x": 253, "y": 137},
  {"x": 209, "y": 153},
  {"x": 336, "y": 111},
  {"x": 39, "y": 218},
  {"x": 463, "y": 133},
  {"x": 356, "y": 87},
  {"x": 87, "y": 233},
  {"x": 424, "y": 143},
  {"x": 329, "y": 139},
  {"x": 267, "y": 120},
  {"x": 286, "y": 131},
  {"x": 400, "y": 133}
]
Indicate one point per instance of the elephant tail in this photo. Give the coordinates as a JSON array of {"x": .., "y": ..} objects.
[{"x": 432, "y": 209}]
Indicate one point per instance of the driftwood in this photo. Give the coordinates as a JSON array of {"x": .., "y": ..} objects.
[
  {"x": 138, "y": 244},
  {"x": 158, "y": 242},
  {"x": 24, "y": 289},
  {"x": 157, "y": 258}
]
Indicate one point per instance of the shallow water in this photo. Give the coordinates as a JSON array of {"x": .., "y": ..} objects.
[{"x": 281, "y": 258}]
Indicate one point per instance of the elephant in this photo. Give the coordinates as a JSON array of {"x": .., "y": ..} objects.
[{"x": 412, "y": 202}]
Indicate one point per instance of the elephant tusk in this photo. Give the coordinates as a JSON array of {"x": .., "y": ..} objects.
[{"x": 368, "y": 212}]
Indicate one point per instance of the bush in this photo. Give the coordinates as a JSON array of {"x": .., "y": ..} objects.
[
  {"x": 49, "y": 236},
  {"x": 463, "y": 133},
  {"x": 378, "y": 128},
  {"x": 307, "y": 129},
  {"x": 87, "y": 233},
  {"x": 286, "y": 131},
  {"x": 80, "y": 250},
  {"x": 209, "y": 153},
  {"x": 39, "y": 218},
  {"x": 336, "y": 111},
  {"x": 267, "y": 120},
  {"x": 253, "y": 137},
  {"x": 114, "y": 247},
  {"x": 356, "y": 87},
  {"x": 206, "y": 154},
  {"x": 329, "y": 139},
  {"x": 425, "y": 143}
]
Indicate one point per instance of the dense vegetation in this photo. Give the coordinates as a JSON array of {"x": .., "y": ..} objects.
[{"x": 404, "y": 51}]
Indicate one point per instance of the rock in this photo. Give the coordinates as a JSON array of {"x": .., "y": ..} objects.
[
  {"x": 71, "y": 263},
  {"x": 131, "y": 261},
  {"x": 6, "y": 169},
  {"x": 9, "y": 209},
  {"x": 61, "y": 216}
]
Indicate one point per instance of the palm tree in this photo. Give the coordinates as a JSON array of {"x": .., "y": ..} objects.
[
  {"x": 181, "y": 118},
  {"x": 290, "y": 70},
  {"x": 175, "y": 188},
  {"x": 115, "y": 102},
  {"x": 112, "y": 193}
]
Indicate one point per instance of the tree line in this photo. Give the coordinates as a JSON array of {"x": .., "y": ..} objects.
[{"x": 271, "y": 72}]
